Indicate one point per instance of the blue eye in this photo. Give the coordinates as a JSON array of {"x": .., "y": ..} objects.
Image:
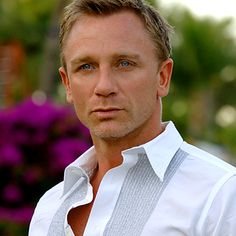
[
  {"x": 125, "y": 63},
  {"x": 86, "y": 67}
]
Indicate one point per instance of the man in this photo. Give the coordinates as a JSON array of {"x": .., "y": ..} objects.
[{"x": 140, "y": 177}]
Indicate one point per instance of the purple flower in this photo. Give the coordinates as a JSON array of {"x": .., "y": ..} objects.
[
  {"x": 10, "y": 155},
  {"x": 36, "y": 142},
  {"x": 30, "y": 122},
  {"x": 65, "y": 151},
  {"x": 5, "y": 125},
  {"x": 18, "y": 215},
  {"x": 12, "y": 193},
  {"x": 23, "y": 214},
  {"x": 33, "y": 175}
]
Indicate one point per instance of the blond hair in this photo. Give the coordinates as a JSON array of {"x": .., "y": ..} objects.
[{"x": 155, "y": 24}]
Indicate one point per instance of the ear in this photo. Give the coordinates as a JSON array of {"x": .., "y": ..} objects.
[
  {"x": 164, "y": 77},
  {"x": 66, "y": 82}
]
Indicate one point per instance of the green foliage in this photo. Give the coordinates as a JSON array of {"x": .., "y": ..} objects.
[
  {"x": 25, "y": 21},
  {"x": 152, "y": 2},
  {"x": 12, "y": 228},
  {"x": 202, "y": 48},
  {"x": 204, "y": 78}
]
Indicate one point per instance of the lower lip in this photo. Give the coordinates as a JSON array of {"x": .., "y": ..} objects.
[{"x": 107, "y": 114}]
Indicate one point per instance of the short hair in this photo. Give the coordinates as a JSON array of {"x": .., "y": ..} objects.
[{"x": 157, "y": 27}]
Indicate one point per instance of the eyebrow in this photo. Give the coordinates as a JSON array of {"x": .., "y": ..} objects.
[
  {"x": 127, "y": 55},
  {"x": 78, "y": 60}
]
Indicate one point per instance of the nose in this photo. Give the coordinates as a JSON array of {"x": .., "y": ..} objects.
[{"x": 106, "y": 84}]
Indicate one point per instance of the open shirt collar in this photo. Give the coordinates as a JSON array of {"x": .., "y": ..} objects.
[{"x": 159, "y": 152}]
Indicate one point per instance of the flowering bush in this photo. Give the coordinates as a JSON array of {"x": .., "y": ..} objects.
[{"x": 36, "y": 143}]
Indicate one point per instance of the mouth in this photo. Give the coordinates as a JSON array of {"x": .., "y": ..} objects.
[{"x": 106, "y": 113}]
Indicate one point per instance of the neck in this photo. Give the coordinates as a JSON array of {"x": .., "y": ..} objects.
[{"x": 108, "y": 151}]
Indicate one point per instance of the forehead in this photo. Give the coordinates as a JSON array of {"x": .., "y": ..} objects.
[{"x": 118, "y": 31}]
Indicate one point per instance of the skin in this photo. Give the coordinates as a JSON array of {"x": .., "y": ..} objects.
[{"x": 116, "y": 83}]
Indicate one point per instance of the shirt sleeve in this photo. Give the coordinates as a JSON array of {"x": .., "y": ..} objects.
[{"x": 221, "y": 217}]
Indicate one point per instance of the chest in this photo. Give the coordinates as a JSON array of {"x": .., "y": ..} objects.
[
  {"x": 78, "y": 217},
  {"x": 125, "y": 204}
]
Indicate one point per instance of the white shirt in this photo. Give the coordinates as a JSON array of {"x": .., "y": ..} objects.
[{"x": 165, "y": 187}]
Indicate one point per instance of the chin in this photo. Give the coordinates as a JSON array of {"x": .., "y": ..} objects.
[
  {"x": 111, "y": 132},
  {"x": 108, "y": 134}
]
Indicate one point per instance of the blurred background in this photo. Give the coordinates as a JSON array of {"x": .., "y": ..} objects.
[{"x": 39, "y": 133}]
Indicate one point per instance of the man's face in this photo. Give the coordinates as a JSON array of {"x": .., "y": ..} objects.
[{"x": 113, "y": 77}]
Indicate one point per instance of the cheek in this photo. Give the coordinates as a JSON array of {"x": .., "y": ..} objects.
[
  {"x": 79, "y": 96},
  {"x": 147, "y": 90},
  {"x": 145, "y": 97}
]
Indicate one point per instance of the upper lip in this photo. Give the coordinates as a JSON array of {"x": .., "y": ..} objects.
[{"x": 104, "y": 109}]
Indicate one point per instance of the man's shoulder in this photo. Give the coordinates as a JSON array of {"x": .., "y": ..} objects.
[{"x": 204, "y": 161}]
